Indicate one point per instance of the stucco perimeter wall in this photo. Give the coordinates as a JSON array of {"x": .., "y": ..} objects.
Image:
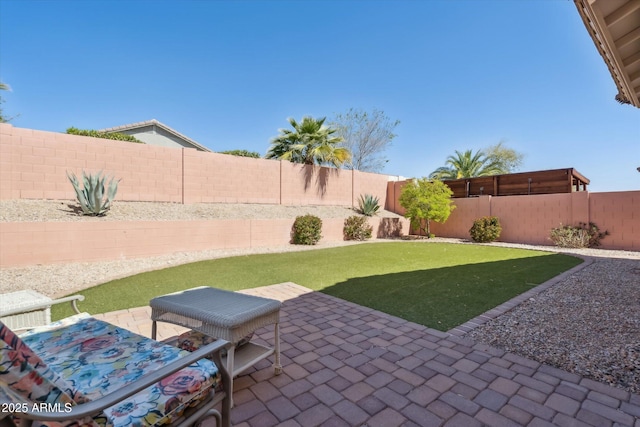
[
  {"x": 529, "y": 219},
  {"x": 32, "y": 243},
  {"x": 33, "y": 165},
  {"x": 619, "y": 214},
  {"x": 220, "y": 178}
]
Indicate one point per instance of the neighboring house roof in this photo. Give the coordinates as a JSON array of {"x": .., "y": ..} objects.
[
  {"x": 614, "y": 26},
  {"x": 131, "y": 128}
]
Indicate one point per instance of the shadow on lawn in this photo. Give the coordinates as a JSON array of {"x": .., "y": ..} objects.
[{"x": 443, "y": 298}]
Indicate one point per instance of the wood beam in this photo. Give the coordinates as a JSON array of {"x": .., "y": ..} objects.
[
  {"x": 622, "y": 12},
  {"x": 631, "y": 59},
  {"x": 630, "y": 37}
]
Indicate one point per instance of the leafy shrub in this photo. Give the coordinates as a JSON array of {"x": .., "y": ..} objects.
[
  {"x": 242, "y": 153},
  {"x": 581, "y": 236},
  {"x": 485, "y": 229},
  {"x": 96, "y": 134},
  {"x": 307, "y": 230},
  {"x": 91, "y": 195},
  {"x": 369, "y": 205},
  {"x": 357, "y": 228},
  {"x": 426, "y": 200}
]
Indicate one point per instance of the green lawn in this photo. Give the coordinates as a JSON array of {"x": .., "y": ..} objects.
[{"x": 440, "y": 285}]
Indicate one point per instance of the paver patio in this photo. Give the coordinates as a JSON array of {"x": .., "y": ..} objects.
[{"x": 348, "y": 365}]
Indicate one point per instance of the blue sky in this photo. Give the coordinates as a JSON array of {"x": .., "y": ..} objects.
[{"x": 457, "y": 74}]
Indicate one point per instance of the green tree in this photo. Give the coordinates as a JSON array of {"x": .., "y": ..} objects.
[
  {"x": 3, "y": 118},
  {"x": 508, "y": 159},
  {"x": 242, "y": 153},
  {"x": 116, "y": 136},
  {"x": 468, "y": 165},
  {"x": 310, "y": 142},
  {"x": 426, "y": 200},
  {"x": 366, "y": 135}
]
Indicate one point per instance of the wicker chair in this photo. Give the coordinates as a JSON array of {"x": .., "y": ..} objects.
[{"x": 85, "y": 372}]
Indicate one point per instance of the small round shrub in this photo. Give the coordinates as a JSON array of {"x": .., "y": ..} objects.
[
  {"x": 485, "y": 229},
  {"x": 307, "y": 230},
  {"x": 581, "y": 236},
  {"x": 357, "y": 228}
]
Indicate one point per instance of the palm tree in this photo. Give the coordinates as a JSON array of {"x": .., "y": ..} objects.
[
  {"x": 310, "y": 143},
  {"x": 467, "y": 165}
]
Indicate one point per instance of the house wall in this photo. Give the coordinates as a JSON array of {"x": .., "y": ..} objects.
[
  {"x": 529, "y": 219},
  {"x": 155, "y": 136}
]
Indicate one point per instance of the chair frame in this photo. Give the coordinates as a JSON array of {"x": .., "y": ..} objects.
[{"x": 191, "y": 416}]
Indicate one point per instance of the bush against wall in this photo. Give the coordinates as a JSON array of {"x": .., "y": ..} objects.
[
  {"x": 426, "y": 200},
  {"x": 485, "y": 229},
  {"x": 357, "y": 228},
  {"x": 581, "y": 236},
  {"x": 307, "y": 230},
  {"x": 96, "y": 134},
  {"x": 242, "y": 153}
]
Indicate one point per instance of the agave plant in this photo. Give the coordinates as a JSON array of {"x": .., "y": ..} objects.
[
  {"x": 369, "y": 205},
  {"x": 91, "y": 195}
]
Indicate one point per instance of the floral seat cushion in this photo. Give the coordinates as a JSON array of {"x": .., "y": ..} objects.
[
  {"x": 193, "y": 340},
  {"x": 29, "y": 378},
  {"x": 95, "y": 358}
]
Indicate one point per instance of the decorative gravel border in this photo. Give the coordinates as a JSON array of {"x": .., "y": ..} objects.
[
  {"x": 503, "y": 308},
  {"x": 585, "y": 321}
]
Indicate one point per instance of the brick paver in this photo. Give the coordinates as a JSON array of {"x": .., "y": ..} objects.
[{"x": 347, "y": 365}]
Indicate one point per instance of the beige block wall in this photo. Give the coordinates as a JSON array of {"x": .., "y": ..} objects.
[
  {"x": 619, "y": 214},
  {"x": 31, "y": 243},
  {"x": 370, "y": 183},
  {"x": 33, "y": 165},
  {"x": 461, "y": 218},
  {"x": 314, "y": 185},
  {"x": 221, "y": 178},
  {"x": 529, "y": 219},
  {"x": 393, "y": 196}
]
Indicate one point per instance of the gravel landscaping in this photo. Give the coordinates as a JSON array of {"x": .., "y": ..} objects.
[
  {"x": 68, "y": 210},
  {"x": 588, "y": 323}
]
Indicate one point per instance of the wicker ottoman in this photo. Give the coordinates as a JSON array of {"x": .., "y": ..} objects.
[{"x": 223, "y": 314}]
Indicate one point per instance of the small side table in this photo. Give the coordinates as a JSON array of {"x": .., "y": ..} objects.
[
  {"x": 25, "y": 301},
  {"x": 223, "y": 314}
]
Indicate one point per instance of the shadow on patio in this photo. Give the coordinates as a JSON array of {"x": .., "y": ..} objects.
[{"x": 348, "y": 365}]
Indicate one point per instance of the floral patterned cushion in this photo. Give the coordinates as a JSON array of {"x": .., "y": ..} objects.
[
  {"x": 96, "y": 358},
  {"x": 193, "y": 340},
  {"x": 27, "y": 377}
]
